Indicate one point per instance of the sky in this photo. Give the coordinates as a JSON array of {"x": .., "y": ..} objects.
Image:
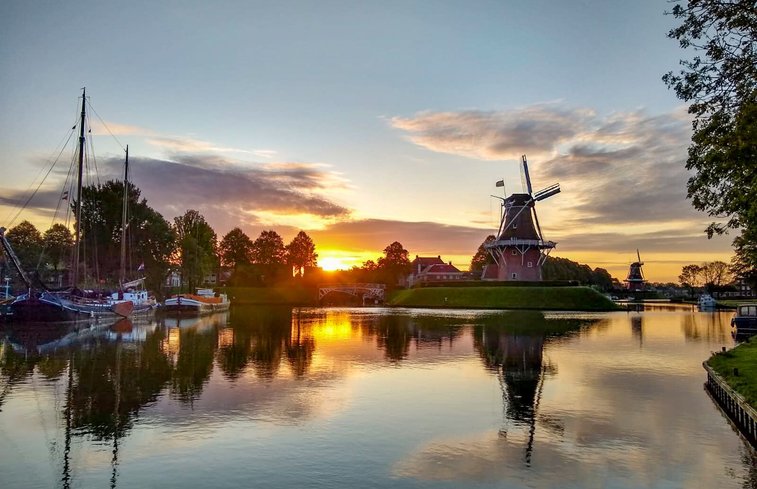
[{"x": 365, "y": 123}]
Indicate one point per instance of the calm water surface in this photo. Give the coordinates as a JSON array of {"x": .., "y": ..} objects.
[{"x": 353, "y": 398}]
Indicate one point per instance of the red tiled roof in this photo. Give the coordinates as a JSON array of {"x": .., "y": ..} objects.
[
  {"x": 442, "y": 268},
  {"x": 425, "y": 261}
]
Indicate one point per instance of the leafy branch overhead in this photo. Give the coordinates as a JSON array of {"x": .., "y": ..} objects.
[{"x": 720, "y": 83}]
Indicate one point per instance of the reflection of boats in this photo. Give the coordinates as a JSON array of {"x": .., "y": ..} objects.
[
  {"x": 198, "y": 322},
  {"x": 706, "y": 302},
  {"x": 204, "y": 301},
  {"x": 42, "y": 338},
  {"x": 745, "y": 320}
]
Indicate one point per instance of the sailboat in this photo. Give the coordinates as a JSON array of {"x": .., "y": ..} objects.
[
  {"x": 133, "y": 290},
  {"x": 42, "y": 304}
]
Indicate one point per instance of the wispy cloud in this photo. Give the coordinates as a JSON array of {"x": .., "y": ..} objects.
[
  {"x": 618, "y": 169},
  {"x": 185, "y": 145},
  {"x": 236, "y": 194},
  {"x": 491, "y": 135}
]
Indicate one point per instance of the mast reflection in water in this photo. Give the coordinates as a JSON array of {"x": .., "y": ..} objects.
[{"x": 356, "y": 397}]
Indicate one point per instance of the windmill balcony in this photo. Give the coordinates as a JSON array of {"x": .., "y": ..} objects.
[{"x": 538, "y": 243}]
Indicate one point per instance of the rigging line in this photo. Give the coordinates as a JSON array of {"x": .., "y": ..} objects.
[
  {"x": 91, "y": 152},
  {"x": 106, "y": 126},
  {"x": 26, "y": 203}
]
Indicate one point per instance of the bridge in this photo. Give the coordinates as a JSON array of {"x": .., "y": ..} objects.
[{"x": 372, "y": 292}]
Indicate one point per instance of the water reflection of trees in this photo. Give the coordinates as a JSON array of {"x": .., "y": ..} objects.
[
  {"x": 263, "y": 337},
  {"x": 396, "y": 333},
  {"x": 512, "y": 346},
  {"x": 707, "y": 326}
]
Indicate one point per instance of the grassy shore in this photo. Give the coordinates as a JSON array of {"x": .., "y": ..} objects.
[
  {"x": 289, "y": 295},
  {"x": 541, "y": 298},
  {"x": 744, "y": 359}
]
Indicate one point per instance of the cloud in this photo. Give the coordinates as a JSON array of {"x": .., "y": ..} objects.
[
  {"x": 619, "y": 169},
  {"x": 490, "y": 135},
  {"x": 230, "y": 193},
  {"x": 183, "y": 145},
  {"x": 417, "y": 237}
]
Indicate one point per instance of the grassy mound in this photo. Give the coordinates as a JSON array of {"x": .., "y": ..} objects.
[
  {"x": 743, "y": 358},
  {"x": 542, "y": 298}
]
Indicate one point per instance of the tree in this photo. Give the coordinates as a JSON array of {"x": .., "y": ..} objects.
[
  {"x": 150, "y": 240},
  {"x": 744, "y": 264},
  {"x": 690, "y": 275},
  {"x": 196, "y": 246},
  {"x": 300, "y": 252},
  {"x": 157, "y": 245},
  {"x": 235, "y": 249},
  {"x": 395, "y": 263},
  {"x": 715, "y": 273},
  {"x": 482, "y": 257},
  {"x": 57, "y": 242},
  {"x": 720, "y": 82},
  {"x": 268, "y": 249},
  {"x": 26, "y": 241}
]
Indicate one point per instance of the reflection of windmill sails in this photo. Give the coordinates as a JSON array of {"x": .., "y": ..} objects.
[{"x": 518, "y": 359}]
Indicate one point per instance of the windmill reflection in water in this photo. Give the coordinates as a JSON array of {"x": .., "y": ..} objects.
[{"x": 512, "y": 345}]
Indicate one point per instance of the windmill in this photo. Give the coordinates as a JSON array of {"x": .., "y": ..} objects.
[
  {"x": 635, "y": 279},
  {"x": 519, "y": 250}
]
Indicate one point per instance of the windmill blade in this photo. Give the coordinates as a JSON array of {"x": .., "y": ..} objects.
[
  {"x": 547, "y": 192},
  {"x": 525, "y": 174}
]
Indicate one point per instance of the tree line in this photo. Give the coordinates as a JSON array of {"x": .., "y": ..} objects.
[{"x": 190, "y": 246}]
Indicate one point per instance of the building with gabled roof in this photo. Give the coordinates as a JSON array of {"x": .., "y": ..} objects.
[{"x": 432, "y": 270}]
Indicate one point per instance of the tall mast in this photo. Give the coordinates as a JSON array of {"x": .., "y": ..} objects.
[
  {"x": 123, "y": 217},
  {"x": 77, "y": 237}
]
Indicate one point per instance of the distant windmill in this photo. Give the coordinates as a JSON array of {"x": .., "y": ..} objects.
[
  {"x": 519, "y": 250},
  {"x": 635, "y": 279}
]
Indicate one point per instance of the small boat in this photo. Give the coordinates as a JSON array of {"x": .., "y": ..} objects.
[
  {"x": 203, "y": 301},
  {"x": 707, "y": 303},
  {"x": 745, "y": 320},
  {"x": 135, "y": 292}
]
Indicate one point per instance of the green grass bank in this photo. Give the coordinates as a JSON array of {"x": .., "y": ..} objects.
[
  {"x": 289, "y": 295},
  {"x": 541, "y": 298},
  {"x": 744, "y": 359}
]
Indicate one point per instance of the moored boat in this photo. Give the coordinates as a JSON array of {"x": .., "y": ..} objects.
[
  {"x": 203, "y": 301},
  {"x": 41, "y": 303},
  {"x": 745, "y": 320},
  {"x": 707, "y": 303}
]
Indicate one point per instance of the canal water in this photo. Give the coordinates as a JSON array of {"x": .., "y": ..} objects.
[{"x": 370, "y": 398}]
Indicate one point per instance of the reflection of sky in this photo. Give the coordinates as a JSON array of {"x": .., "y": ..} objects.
[{"x": 619, "y": 407}]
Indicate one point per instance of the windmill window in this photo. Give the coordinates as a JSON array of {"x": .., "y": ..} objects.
[
  {"x": 530, "y": 264},
  {"x": 515, "y": 252},
  {"x": 515, "y": 275},
  {"x": 515, "y": 225}
]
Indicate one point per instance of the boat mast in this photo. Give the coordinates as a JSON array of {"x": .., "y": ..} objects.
[
  {"x": 77, "y": 237},
  {"x": 123, "y": 218}
]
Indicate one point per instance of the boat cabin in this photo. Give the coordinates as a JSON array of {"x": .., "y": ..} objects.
[{"x": 745, "y": 320}]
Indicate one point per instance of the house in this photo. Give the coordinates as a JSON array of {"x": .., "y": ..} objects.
[{"x": 426, "y": 270}]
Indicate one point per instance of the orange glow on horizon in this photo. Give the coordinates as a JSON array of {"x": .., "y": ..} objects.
[{"x": 332, "y": 264}]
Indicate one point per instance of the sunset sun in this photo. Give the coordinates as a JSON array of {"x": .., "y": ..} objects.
[{"x": 332, "y": 263}]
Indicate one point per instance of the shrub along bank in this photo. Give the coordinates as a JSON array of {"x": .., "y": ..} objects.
[{"x": 542, "y": 298}]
